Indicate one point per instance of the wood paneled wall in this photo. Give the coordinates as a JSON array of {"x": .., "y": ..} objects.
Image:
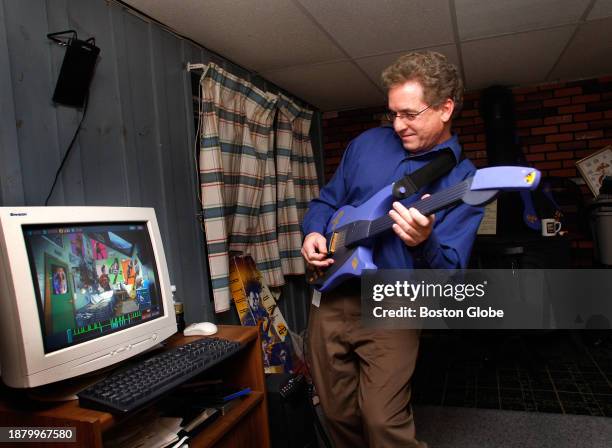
[{"x": 136, "y": 146}]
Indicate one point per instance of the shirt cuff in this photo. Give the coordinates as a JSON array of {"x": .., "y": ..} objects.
[
  {"x": 313, "y": 228},
  {"x": 430, "y": 248}
]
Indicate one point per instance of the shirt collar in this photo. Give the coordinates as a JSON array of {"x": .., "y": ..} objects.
[{"x": 452, "y": 143}]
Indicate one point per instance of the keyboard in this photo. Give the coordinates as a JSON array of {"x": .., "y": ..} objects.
[{"x": 130, "y": 388}]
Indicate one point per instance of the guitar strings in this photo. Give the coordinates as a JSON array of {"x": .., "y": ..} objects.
[{"x": 425, "y": 206}]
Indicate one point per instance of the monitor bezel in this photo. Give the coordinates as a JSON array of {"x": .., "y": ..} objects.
[{"x": 24, "y": 361}]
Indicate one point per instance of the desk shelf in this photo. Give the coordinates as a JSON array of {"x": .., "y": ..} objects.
[
  {"x": 245, "y": 425},
  {"x": 225, "y": 425}
]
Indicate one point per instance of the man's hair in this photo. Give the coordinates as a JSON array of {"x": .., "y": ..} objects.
[{"x": 440, "y": 79}]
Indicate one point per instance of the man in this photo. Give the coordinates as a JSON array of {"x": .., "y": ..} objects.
[
  {"x": 103, "y": 279},
  {"x": 363, "y": 375}
]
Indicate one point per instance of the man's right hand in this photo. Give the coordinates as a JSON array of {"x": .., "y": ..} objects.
[{"x": 314, "y": 250}]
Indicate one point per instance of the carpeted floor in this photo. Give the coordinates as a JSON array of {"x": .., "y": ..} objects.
[
  {"x": 453, "y": 427},
  {"x": 510, "y": 389},
  {"x": 534, "y": 371}
]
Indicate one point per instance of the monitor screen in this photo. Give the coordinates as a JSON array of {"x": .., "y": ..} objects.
[
  {"x": 91, "y": 279},
  {"x": 81, "y": 289}
]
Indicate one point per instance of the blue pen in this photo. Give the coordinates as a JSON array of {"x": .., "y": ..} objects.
[{"x": 240, "y": 393}]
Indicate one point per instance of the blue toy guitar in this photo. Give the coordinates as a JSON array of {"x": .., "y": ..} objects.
[{"x": 351, "y": 230}]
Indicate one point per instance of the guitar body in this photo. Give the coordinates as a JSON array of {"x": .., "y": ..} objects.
[
  {"x": 351, "y": 261},
  {"x": 351, "y": 230}
]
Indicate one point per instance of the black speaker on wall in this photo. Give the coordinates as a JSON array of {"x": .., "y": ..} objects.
[{"x": 77, "y": 69}]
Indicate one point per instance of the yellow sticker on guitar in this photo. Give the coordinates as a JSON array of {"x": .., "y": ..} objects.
[
  {"x": 529, "y": 178},
  {"x": 337, "y": 219}
]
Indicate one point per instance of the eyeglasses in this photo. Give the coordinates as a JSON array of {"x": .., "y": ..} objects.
[{"x": 404, "y": 116}]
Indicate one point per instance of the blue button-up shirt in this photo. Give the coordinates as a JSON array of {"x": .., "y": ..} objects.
[{"x": 376, "y": 159}]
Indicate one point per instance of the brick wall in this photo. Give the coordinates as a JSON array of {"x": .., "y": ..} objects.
[{"x": 557, "y": 124}]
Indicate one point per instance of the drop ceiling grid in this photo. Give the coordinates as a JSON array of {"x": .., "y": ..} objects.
[
  {"x": 589, "y": 54},
  {"x": 367, "y": 28},
  {"x": 477, "y": 18},
  {"x": 601, "y": 9},
  {"x": 518, "y": 59},
  {"x": 331, "y": 53},
  {"x": 258, "y": 34},
  {"x": 331, "y": 86}
]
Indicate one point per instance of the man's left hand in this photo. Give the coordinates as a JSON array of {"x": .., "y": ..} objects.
[{"x": 410, "y": 225}]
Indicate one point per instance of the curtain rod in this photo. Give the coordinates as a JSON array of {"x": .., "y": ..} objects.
[
  {"x": 199, "y": 66},
  {"x": 191, "y": 66}
]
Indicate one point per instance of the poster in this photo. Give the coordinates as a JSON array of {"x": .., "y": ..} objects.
[{"x": 256, "y": 307}]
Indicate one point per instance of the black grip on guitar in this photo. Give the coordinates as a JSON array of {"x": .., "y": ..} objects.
[{"x": 443, "y": 161}]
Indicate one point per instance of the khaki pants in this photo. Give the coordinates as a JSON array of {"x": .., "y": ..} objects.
[{"x": 362, "y": 376}]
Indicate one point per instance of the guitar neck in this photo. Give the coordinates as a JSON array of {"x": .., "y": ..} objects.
[{"x": 427, "y": 206}]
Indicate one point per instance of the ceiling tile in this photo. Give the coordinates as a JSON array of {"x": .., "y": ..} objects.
[
  {"x": 524, "y": 58},
  {"x": 589, "y": 53},
  {"x": 258, "y": 34},
  {"x": 602, "y": 8},
  {"x": 333, "y": 86},
  {"x": 366, "y": 27},
  {"x": 482, "y": 18},
  {"x": 374, "y": 65},
  {"x": 302, "y": 45}
]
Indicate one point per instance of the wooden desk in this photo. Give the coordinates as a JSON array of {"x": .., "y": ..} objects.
[{"x": 245, "y": 425}]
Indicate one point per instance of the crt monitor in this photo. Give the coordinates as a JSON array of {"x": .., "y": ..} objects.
[{"x": 81, "y": 288}]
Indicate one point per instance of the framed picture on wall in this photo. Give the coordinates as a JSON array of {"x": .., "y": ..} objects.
[{"x": 595, "y": 167}]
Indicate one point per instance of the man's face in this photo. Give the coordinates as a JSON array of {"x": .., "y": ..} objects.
[{"x": 427, "y": 129}]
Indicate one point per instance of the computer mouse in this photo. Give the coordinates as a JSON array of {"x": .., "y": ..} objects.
[{"x": 200, "y": 329}]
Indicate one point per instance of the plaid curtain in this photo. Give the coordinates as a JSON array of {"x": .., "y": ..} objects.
[
  {"x": 249, "y": 204},
  {"x": 296, "y": 180},
  {"x": 237, "y": 179}
]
